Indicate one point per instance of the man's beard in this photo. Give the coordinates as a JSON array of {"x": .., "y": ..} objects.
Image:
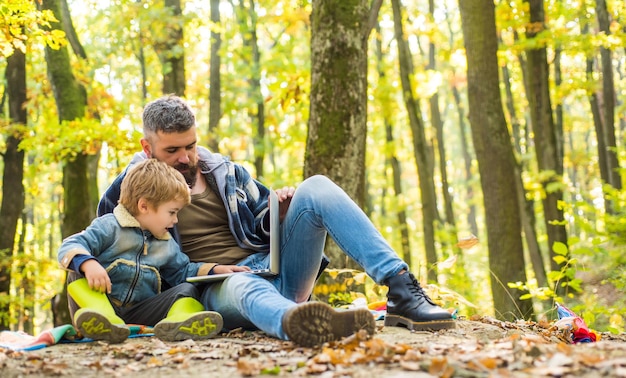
[{"x": 189, "y": 172}]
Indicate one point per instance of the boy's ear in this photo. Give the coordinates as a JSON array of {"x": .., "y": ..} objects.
[{"x": 142, "y": 205}]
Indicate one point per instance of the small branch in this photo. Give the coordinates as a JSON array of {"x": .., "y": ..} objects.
[{"x": 373, "y": 18}]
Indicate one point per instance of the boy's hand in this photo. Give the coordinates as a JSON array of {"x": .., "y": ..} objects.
[{"x": 97, "y": 276}]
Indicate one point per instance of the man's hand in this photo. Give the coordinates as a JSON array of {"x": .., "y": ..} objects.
[
  {"x": 230, "y": 268},
  {"x": 284, "y": 200},
  {"x": 96, "y": 275}
]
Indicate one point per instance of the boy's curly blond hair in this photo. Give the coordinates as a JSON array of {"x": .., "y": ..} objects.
[{"x": 154, "y": 181}]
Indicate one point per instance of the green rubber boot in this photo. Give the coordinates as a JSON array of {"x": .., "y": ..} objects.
[
  {"x": 187, "y": 319},
  {"x": 96, "y": 318}
]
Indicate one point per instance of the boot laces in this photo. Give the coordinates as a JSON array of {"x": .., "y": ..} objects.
[{"x": 416, "y": 289}]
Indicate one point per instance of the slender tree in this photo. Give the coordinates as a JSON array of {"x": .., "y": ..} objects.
[
  {"x": 248, "y": 26},
  {"x": 545, "y": 135},
  {"x": 467, "y": 161},
  {"x": 608, "y": 98},
  {"x": 215, "y": 76},
  {"x": 527, "y": 204},
  {"x": 491, "y": 138},
  {"x": 437, "y": 123},
  {"x": 170, "y": 50},
  {"x": 420, "y": 145},
  {"x": 390, "y": 152},
  {"x": 13, "y": 173},
  {"x": 71, "y": 101},
  {"x": 594, "y": 107}
]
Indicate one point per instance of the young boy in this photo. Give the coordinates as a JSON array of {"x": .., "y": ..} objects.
[{"x": 126, "y": 257}]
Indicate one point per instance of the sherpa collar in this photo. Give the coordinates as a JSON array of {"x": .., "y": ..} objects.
[{"x": 126, "y": 219}]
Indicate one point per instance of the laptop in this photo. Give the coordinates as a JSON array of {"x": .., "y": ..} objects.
[{"x": 274, "y": 250}]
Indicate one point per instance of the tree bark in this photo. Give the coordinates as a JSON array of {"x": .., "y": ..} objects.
[
  {"x": 335, "y": 144},
  {"x": 248, "y": 22},
  {"x": 420, "y": 146},
  {"x": 608, "y": 99},
  {"x": 437, "y": 124},
  {"x": 215, "y": 83},
  {"x": 12, "y": 174},
  {"x": 491, "y": 138},
  {"x": 467, "y": 163},
  {"x": 391, "y": 158},
  {"x": 71, "y": 100},
  {"x": 527, "y": 206},
  {"x": 545, "y": 136},
  {"x": 172, "y": 58},
  {"x": 70, "y": 32},
  {"x": 594, "y": 107}
]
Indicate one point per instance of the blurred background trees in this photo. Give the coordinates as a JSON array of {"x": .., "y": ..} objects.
[{"x": 485, "y": 140}]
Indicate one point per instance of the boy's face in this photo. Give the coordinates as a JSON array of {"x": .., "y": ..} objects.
[
  {"x": 158, "y": 220},
  {"x": 178, "y": 150}
]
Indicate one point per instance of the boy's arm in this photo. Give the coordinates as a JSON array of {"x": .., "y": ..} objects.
[
  {"x": 78, "y": 260},
  {"x": 88, "y": 266},
  {"x": 96, "y": 276}
]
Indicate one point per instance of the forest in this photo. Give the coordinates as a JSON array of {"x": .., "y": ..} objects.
[{"x": 485, "y": 139}]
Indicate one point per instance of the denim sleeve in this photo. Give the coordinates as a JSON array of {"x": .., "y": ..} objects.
[
  {"x": 95, "y": 239},
  {"x": 178, "y": 268}
]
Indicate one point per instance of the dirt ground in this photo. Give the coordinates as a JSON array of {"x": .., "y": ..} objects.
[{"x": 481, "y": 347}]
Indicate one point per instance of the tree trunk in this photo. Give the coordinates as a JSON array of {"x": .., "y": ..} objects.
[
  {"x": 545, "y": 136},
  {"x": 248, "y": 22},
  {"x": 467, "y": 163},
  {"x": 558, "y": 109},
  {"x": 12, "y": 175},
  {"x": 437, "y": 124},
  {"x": 596, "y": 115},
  {"x": 420, "y": 146},
  {"x": 491, "y": 138},
  {"x": 71, "y": 101},
  {"x": 335, "y": 144},
  {"x": 608, "y": 98},
  {"x": 141, "y": 58},
  {"x": 527, "y": 205},
  {"x": 391, "y": 157},
  {"x": 70, "y": 32},
  {"x": 173, "y": 59},
  {"x": 215, "y": 83}
]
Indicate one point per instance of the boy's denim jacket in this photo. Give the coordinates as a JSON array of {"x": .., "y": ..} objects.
[
  {"x": 137, "y": 262},
  {"x": 245, "y": 199}
]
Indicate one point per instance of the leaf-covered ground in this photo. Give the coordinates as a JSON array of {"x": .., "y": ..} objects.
[{"x": 481, "y": 347}]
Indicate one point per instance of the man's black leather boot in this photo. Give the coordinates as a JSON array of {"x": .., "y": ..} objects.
[{"x": 409, "y": 306}]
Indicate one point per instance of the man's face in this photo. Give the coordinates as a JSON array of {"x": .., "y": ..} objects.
[{"x": 178, "y": 150}]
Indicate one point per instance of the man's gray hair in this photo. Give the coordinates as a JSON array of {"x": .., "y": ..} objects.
[{"x": 168, "y": 114}]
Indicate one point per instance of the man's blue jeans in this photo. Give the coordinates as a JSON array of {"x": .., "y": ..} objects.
[{"x": 318, "y": 207}]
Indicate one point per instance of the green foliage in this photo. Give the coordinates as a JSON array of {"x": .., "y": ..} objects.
[
  {"x": 21, "y": 22},
  {"x": 565, "y": 277},
  {"x": 592, "y": 265},
  {"x": 122, "y": 39}
]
